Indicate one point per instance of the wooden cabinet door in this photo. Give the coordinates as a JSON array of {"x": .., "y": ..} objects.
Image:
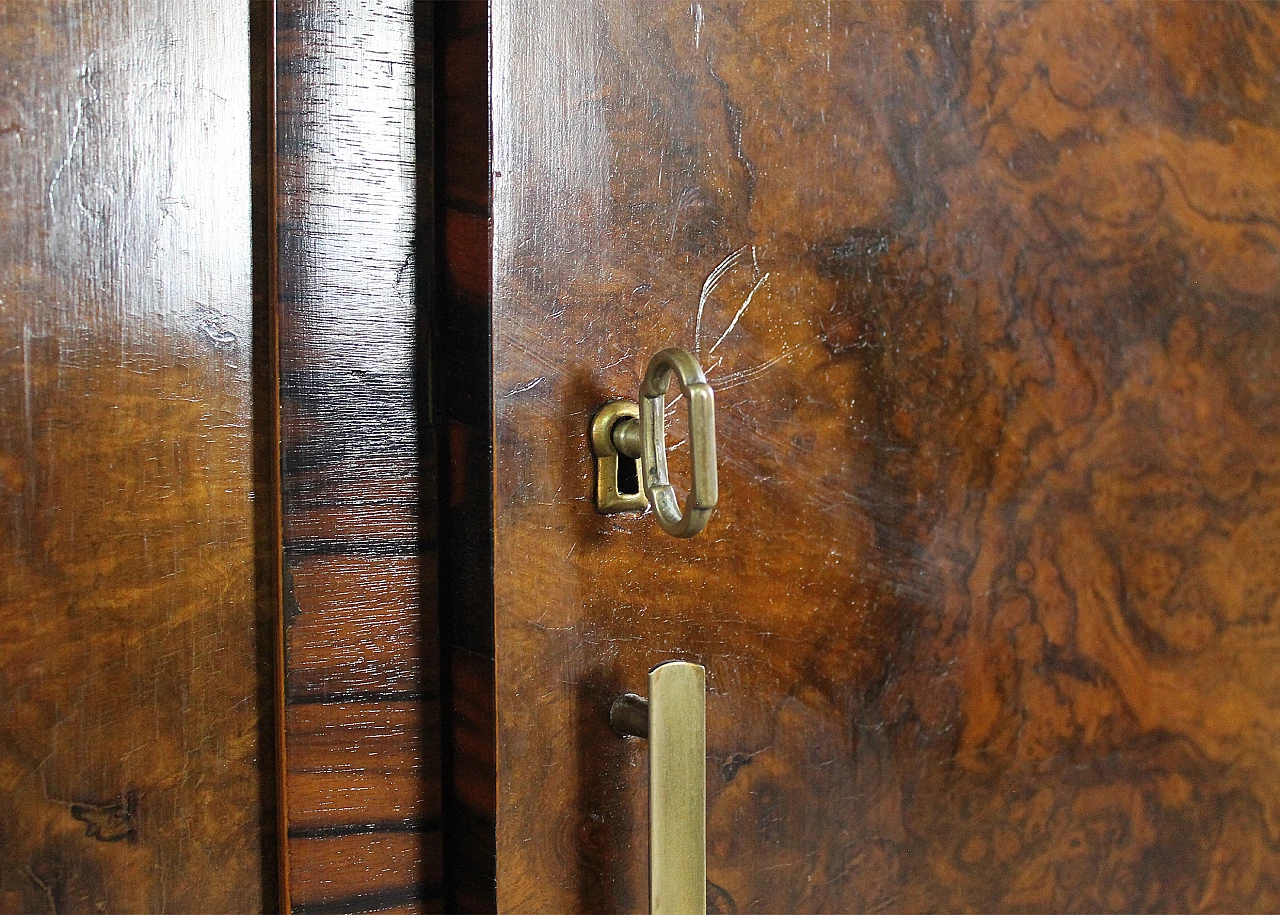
[
  {"x": 136, "y": 620},
  {"x": 988, "y": 298}
]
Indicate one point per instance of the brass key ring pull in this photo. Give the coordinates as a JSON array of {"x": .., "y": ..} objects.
[{"x": 617, "y": 433}]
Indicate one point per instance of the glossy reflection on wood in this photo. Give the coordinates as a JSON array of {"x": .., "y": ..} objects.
[
  {"x": 989, "y": 607},
  {"x": 361, "y": 723},
  {"x": 131, "y": 655}
]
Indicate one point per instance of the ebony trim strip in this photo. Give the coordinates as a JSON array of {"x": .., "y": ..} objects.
[{"x": 340, "y": 830}]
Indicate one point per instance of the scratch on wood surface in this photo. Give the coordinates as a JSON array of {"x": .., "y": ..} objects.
[
  {"x": 527, "y": 386},
  {"x": 44, "y": 888},
  {"x": 86, "y": 76},
  {"x": 741, "y": 311},
  {"x": 708, "y": 287}
]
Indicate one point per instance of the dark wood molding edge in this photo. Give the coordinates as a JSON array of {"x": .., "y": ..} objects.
[{"x": 359, "y": 688}]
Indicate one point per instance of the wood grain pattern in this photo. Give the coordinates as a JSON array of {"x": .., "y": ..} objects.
[
  {"x": 361, "y": 725},
  {"x": 462, "y": 405},
  {"x": 355, "y": 866},
  {"x": 337, "y": 654},
  {"x": 134, "y": 660},
  {"x": 359, "y": 765},
  {"x": 989, "y": 609}
]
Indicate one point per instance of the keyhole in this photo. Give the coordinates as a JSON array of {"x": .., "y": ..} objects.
[{"x": 628, "y": 476}]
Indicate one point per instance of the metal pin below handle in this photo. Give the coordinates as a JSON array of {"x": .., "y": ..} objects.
[{"x": 629, "y": 716}]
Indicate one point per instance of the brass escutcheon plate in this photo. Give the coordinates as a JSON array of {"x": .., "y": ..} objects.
[{"x": 609, "y": 499}]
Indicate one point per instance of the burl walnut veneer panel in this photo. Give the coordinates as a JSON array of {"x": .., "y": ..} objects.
[
  {"x": 988, "y": 296},
  {"x": 135, "y": 658}
]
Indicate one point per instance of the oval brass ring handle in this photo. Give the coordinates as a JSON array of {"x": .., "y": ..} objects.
[
  {"x": 645, "y": 439},
  {"x": 704, "y": 490}
]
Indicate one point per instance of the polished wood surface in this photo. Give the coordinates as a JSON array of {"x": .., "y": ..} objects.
[
  {"x": 361, "y": 723},
  {"x": 135, "y": 748},
  {"x": 462, "y": 407},
  {"x": 989, "y": 607}
]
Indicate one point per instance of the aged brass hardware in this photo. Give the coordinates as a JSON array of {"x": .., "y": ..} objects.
[
  {"x": 674, "y": 720},
  {"x": 610, "y": 498},
  {"x": 623, "y": 429},
  {"x": 629, "y": 716}
]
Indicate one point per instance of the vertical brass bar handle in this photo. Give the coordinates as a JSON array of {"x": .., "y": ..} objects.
[{"x": 677, "y": 789}]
